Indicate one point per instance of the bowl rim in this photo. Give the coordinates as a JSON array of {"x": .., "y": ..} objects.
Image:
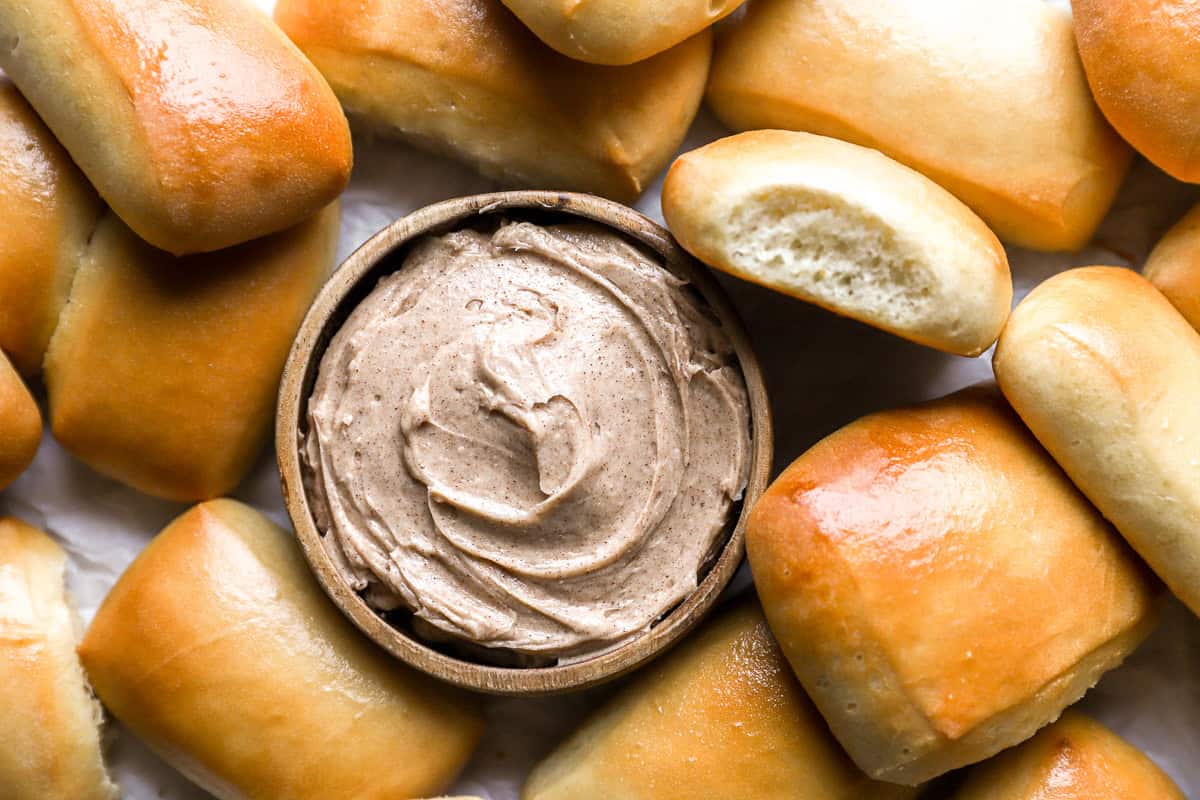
[{"x": 357, "y": 276}]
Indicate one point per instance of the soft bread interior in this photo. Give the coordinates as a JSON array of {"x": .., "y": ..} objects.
[
  {"x": 846, "y": 228},
  {"x": 817, "y": 245}
]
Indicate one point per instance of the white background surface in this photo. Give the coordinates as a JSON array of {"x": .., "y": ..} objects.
[{"x": 822, "y": 372}]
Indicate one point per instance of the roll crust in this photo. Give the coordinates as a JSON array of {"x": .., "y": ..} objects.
[
  {"x": 618, "y": 32},
  {"x": 1106, "y": 373},
  {"x": 219, "y": 650},
  {"x": 858, "y": 544},
  {"x": 721, "y": 717},
  {"x": 163, "y": 371},
  {"x": 987, "y": 99},
  {"x": 846, "y": 228},
  {"x": 50, "y": 211},
  {"x": 1174, "y": 266},
  {"x": 1076, "y": 758},
  {"x": 1140, "y": 61},
  {"x": 50, "y": 736},
  {"x": 20, "y": 424},
  {"x": 197, "y": 120},
  {"x": 467, "y": 79}
]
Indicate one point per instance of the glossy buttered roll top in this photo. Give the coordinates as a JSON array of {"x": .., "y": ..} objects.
[
  {"x": 1076, "y": 758},
  {"x": 218, "y": 649},
  {"x": 939, "y": 586},
  {"x": 197, "y": 120},
  {"x": 721, "y": 717}
]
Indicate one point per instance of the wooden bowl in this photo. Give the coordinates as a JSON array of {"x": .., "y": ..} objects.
[{"x": 383, "y": 254}]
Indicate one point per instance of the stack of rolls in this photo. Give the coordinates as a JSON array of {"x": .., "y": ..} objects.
[
  {"x": 161, "y": 369},
  {"x": 987, "y": 99},
  {"x": 936, "y": 584},
  {"x": 160, "y": 324},
  {"x": 467, "y": 79}
]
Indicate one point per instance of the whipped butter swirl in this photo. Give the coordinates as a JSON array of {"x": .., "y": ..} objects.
[{"x": 531, "y": 438}]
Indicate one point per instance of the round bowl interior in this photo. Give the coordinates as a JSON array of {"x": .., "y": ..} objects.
[{"x": 383, "y": 254}]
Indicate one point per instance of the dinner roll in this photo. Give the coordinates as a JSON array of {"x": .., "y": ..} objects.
[
  {"x": 846, "y": 228},
  {"x": 163, "y": 371},
  {"x": 1076, "y": 758},
  {"x": 1174, "y": 266},
  {"x": 986, "y": 98},
  {"x": 219, "y": 650},
  {"x": 20, "y": 424},
  {"x": 618, "y": 31},
  {"x": 939, "y": 586},
  {"x": 49, "y": 211},
  {"x": 1140, "y": 58},
  {"x": 467, "y": 79},
  {"x": 198, "y": 121},
  {"x": 49, "y": 722},
  {"x": 1107, "y": 375},
  {"x": 721, "y": 718}
]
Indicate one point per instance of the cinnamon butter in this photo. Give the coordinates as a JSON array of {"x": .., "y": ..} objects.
[{"x": 531, "y": 438}]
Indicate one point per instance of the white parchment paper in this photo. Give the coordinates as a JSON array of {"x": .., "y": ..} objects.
[{"x": 822, "y": 372}]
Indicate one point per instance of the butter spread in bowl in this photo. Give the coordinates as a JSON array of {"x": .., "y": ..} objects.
[{"x": 531, "y": 437}]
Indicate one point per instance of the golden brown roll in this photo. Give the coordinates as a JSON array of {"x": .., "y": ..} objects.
[
  {"x": 20, "y": 424},
  {"x": 618, "y": 31},
  {"x": 721, "y": 718},
  {"x": 198, "y": 121},
  {"x": 1106, "y": 373},
  {"x": 846, "y": 228},
  {"x": 1140, "y": 58},
  {"x": 987, "y": 99},
  {"x": 1174, "y": 266},
  {"x": 49, "y": 210},
  {"x": 939, "y": 586},
  {"x": 163, "y": 371},
  {"x": 49, "y": 736},
  {"x": 1076, "y": 758},
  {"x": 466, "y": 78},
  {"x": 219, "y": 650}
]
